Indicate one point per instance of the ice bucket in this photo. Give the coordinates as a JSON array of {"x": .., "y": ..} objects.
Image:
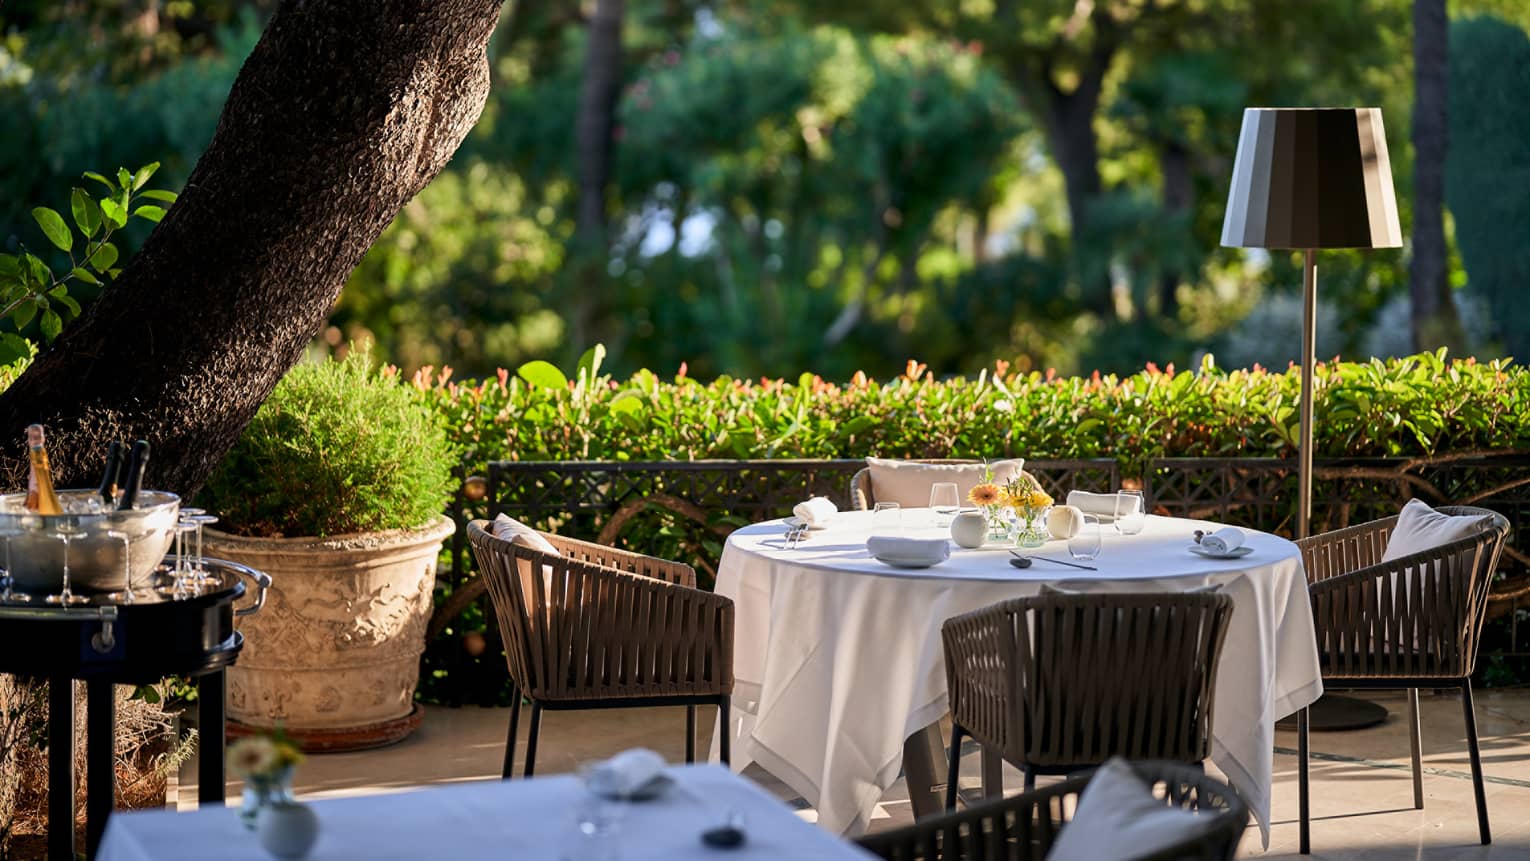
[{"x": 108, "y": 549}]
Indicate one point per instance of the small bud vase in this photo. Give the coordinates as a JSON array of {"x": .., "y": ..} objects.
[
  {"x": 260, "y": 792},
  {"x": 1031, "y": 532},
  {"x": 287, "y": 829}
]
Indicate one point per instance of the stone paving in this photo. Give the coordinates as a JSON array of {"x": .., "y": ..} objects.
[{"x": 1361, "y": 791}]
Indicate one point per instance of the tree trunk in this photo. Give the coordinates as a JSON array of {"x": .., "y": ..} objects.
[
  {"x": 1178, "y": 198},
  {"x": 594, "y": 146},
  {"x": 1435, "y": 322},
  {"x": 345, "y": 110}
]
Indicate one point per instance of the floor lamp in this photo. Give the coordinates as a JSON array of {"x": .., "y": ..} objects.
[{"x": 1305, "y": 179}]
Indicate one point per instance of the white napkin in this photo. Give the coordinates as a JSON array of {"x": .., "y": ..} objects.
[
  {"x": 817, "y": 511},
  {"x": 1224, "y": 540},
  {"x": 630, "y": 773},
  {"x": 930, "y": 550},
  {"x": 1098, "y": 504}
]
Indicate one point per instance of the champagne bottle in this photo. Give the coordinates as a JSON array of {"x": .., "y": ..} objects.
[
  {"x": 41, "y": 497},
  {"x": 109, "y": 475},
  {"x": 138, "y": 460}
]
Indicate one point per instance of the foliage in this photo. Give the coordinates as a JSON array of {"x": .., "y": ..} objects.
[
  {"x": 338, "y": 448},
  {"x": 31, "y": 290},
  {"x": 1489, "y": 166},
  {"x": 1419, "y": 405}
]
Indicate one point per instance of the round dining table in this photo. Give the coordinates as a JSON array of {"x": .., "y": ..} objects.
[{"x": 838, "y": 661}]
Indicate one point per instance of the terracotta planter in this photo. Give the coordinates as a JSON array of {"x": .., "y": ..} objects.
[{"x": 334, "y": 656}]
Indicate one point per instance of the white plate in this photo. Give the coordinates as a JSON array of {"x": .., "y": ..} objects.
[
  {"x": 607, "y": 786},
  {"x": 908, "y": 562},
  {"x": 793, "y": 522},
  {"x": 1235, "y": 553}
]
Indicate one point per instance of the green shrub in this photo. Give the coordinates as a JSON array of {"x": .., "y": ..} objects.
[
  {"x": 1419, "y": 405},
  {"x": 338, "y": 448}
]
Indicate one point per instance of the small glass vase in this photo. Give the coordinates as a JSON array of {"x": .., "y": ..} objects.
[
  {"x": 1001, "y": 529},
  {"x": 1032, "y": 531},
  {"x": 261, "y": 792}
]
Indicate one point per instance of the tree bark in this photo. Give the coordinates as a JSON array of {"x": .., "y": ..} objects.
[
  {"x": 1178, "y": 198},
  {"x": 1434, "y": 318},
  {"x": 594, "y": 147},
  {"x": 343, "y": 112}
]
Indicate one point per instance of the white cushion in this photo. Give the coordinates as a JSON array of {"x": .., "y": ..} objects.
[
  {"x": 908, "y": 482},
  {"x": 1119, "y": 817},
  {"x": 516, "y": 532},
  {"x": 1420, "y": 528}
]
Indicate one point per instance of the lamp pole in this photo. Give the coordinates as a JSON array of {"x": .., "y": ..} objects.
[{"x": 1309, "y": 359}]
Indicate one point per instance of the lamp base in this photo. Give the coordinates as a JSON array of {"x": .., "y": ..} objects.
[{"x": 1336, "y": 712}]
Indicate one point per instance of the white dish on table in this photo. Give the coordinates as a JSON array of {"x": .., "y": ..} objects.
[{"x": 1235, "y": 553}]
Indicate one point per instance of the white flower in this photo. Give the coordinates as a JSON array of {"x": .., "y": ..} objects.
[
  {"x": 252, "y": 757},
  {"x": 1004, "y": 405}
]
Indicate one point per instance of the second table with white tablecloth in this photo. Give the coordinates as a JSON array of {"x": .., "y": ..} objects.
[{"x": 838, "y": 658}]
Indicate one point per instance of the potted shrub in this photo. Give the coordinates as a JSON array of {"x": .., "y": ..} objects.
[{"x": 336, "y": 489}]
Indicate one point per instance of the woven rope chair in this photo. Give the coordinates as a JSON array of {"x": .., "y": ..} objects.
[
  {"x": 862, "y": 498},
  {"x": 1058, "y": 682},
  {"x": 1024, "y": 827},
  {"x": 1410, "y": 623},
  {"x": 596, "y": 627}
]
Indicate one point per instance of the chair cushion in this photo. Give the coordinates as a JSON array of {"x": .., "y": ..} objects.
[
  {"x": 1420, "y": 528},
  {"x": 908, "y": 482},
  {"x": 516, "y": 532},
  {"x": 1119, "y": 817}
]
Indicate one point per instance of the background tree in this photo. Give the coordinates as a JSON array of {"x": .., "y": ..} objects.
[{"x": 1435, "y": 322}]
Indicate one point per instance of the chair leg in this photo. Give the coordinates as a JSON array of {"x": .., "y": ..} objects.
[
  {"x": 724, "y": 744},
  {"x": 531, "y": 738},
  {"x": 515, "y": 721},
  {"x": 1030, "y": 778},
  {"x": 1303, "y": 810},
  {"x": 953, "y": 765},
  {"x": 690, "y": 734},
  {"x": 1471, "y": 742},
  {"x": 1415, "y": 744}
]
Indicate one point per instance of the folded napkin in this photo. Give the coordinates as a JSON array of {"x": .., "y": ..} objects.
[
  {"x": 1224, "y": 540},
  {"x": 931, "y": 550},
  {"x": 1098, "y": 504},
  {"x": 817, "y": 511},
  {"x": 630, "y": 773}
]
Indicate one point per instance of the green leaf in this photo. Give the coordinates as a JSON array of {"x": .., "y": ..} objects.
[
  {"x": 150, "y": 212},
  {"x": 104, "y": 257},
  {"x": 37, "y": 271},
  {"x": 53, "y": 227},
  {"x": 110, "y": 186},
  {"x": 13, "y": 347},
  {"x": 10, "y": 265},
  {"x": 83, "y": 274},
  {"x": 124, "y": 179},
  {"x": 51, "y": 325},
  {"x": 627, "y": 403},
  {"x": 114, "y": 212},
  {"x": 24, "y": 314},
  {"x": 85, "y": 211},
  {"x": 61, "y": 295},
  {"x": 859, "y": 424},
  {"x": 143, "y": 174},
  {"x": 589, "y": 363},
  {"x": 544, "y": 375},
  {"x": 160, "y": 195}
]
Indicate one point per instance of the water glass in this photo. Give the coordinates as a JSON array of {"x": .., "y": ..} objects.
[
  {"x": 1131, "y": 512},
  {"x": 945, "y": 501},
  {"x": 1085, "y": 543},
  {"x": 595, "y": 831},
  {"x": 888, "y": 515}
]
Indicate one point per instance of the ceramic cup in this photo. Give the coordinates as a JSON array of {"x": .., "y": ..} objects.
[
  {"x": 1064, "y": 521},
  {"x": 287, "y": 829},
  {"x": 969, "y": 529}
]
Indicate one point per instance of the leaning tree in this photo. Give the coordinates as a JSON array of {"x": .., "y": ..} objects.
[{"x": 343, "y": 112}]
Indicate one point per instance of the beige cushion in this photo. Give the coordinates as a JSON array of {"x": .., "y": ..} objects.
[
  {"x": 516, "y": 532},
  {"x": 1119, "y": 817},
  {"x": 1420, "y": 528},
  {"x": 908, "y": 482}
]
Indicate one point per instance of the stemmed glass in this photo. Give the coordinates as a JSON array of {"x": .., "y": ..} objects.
[
  {"x": 184, "y": 581},
  {"x": 1131, "y": 512},
  {"x": 9, "y": 596},
  {"x": 887, "y": 515},
  {"x": 125, "y": 595},
  {"x": 1085, "y": 543},
  {"x": 67, "y": 530},
  {"x": 944, "y": 501}
]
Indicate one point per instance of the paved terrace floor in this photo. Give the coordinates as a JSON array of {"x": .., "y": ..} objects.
[{"x": 1361, "y": 792}]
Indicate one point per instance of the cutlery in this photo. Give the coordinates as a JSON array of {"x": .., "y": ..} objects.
[{"x": 1023, "y": 561}]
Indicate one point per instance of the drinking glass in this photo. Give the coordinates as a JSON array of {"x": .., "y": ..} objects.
[
  {"x": 595, "y": 831},
  {"x": 67, "y": 530},
  {"x": 1085, "y": 543},
  {"x": 887, "y": 514},
  {"x": 125, "y": 594},
  {"x": 9, "y": 596},
  {"x": 1131, "y": 512},
  {"x": 944, "y": 501}
]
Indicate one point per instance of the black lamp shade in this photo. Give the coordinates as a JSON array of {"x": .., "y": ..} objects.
[{"x": 1311, "y": 178}]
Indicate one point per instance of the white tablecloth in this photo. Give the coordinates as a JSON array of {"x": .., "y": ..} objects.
[
  {"x": 838, "y": 657},
  {"x": 532, "y": 819}
]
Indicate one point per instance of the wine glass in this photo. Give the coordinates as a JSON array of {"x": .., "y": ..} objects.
[
  {"x": 1085, "y": 543},
  {"x": 1131, "y": 512},
  {"x": 67, "y": 530},
  {"x": 200, "y": 520},
  {"x": 944, "y": 501},
  {"x": 9, "y": 596},
  {"x": 184, "y": 581},
  {"x": 125, "y": 594},
  {"x": 887, "y": 514}
]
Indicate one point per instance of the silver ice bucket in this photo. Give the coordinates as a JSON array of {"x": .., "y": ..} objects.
[{"x": 108, "y": 549}]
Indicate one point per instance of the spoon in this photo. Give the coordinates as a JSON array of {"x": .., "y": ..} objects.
[
  {"x": 728, "y": 836},
  {"x": 1025, "y": 561}
]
